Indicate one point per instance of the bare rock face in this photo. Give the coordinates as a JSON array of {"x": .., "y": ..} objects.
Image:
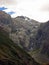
[
  {"x": 4, "y": 18},
  {"x": 21, "y": 29},
  {"x": 24, "y": 31},
  {"x": 5, "y": 21},
  {"x": 42, "y": 44}
]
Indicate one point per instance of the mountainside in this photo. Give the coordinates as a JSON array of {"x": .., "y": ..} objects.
[
  {"x": 41, "y": 45},
  {"x": 11, "y": 54},
  {"x": 21, "y": 29},
  {"x": 24, "y": 32},
  {"x": 5, "y": 21}
]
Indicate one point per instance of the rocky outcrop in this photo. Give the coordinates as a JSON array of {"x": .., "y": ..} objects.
[
  {"x": 5, "y": 21},
  {"x": 24, "y": 31},
  {"x": 41, "y": 45}
]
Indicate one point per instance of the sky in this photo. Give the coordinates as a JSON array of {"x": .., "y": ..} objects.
[{"x": 34, "y": 9}]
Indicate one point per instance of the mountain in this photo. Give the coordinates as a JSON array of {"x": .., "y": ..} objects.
[
  {"x": 21, "y": 30},
  {"x": 11, "y": 54},
  {"x": 5, "y": 21},
  {"x": 5, "y": 18},
  {"x": 24, "y": 31},
  {"x": 41, "y": 45}
]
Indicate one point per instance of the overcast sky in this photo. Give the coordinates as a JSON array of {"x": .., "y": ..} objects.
[{"x": 35, "y": 9}]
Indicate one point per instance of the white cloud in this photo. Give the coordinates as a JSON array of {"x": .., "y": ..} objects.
[
  {"x": 7, "y": 2},
  {"x": 36, "y": 9}
]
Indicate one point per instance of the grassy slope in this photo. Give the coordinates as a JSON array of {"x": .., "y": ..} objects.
[{"x": 12, "y": 53}]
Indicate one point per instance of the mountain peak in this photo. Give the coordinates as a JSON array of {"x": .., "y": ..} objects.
[
  {"x": 4, "y": 18},
  {"x": 3, "y": 13}
]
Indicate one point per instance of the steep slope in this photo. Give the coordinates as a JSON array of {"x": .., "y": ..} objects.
[
  {"x": 5, "y": 21},
  {"x": 5, "y": 18},
  {"x": 24, "y": 31},
  {"x": 11, "y": 54},
  {"x": 41, "y": 45}
]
